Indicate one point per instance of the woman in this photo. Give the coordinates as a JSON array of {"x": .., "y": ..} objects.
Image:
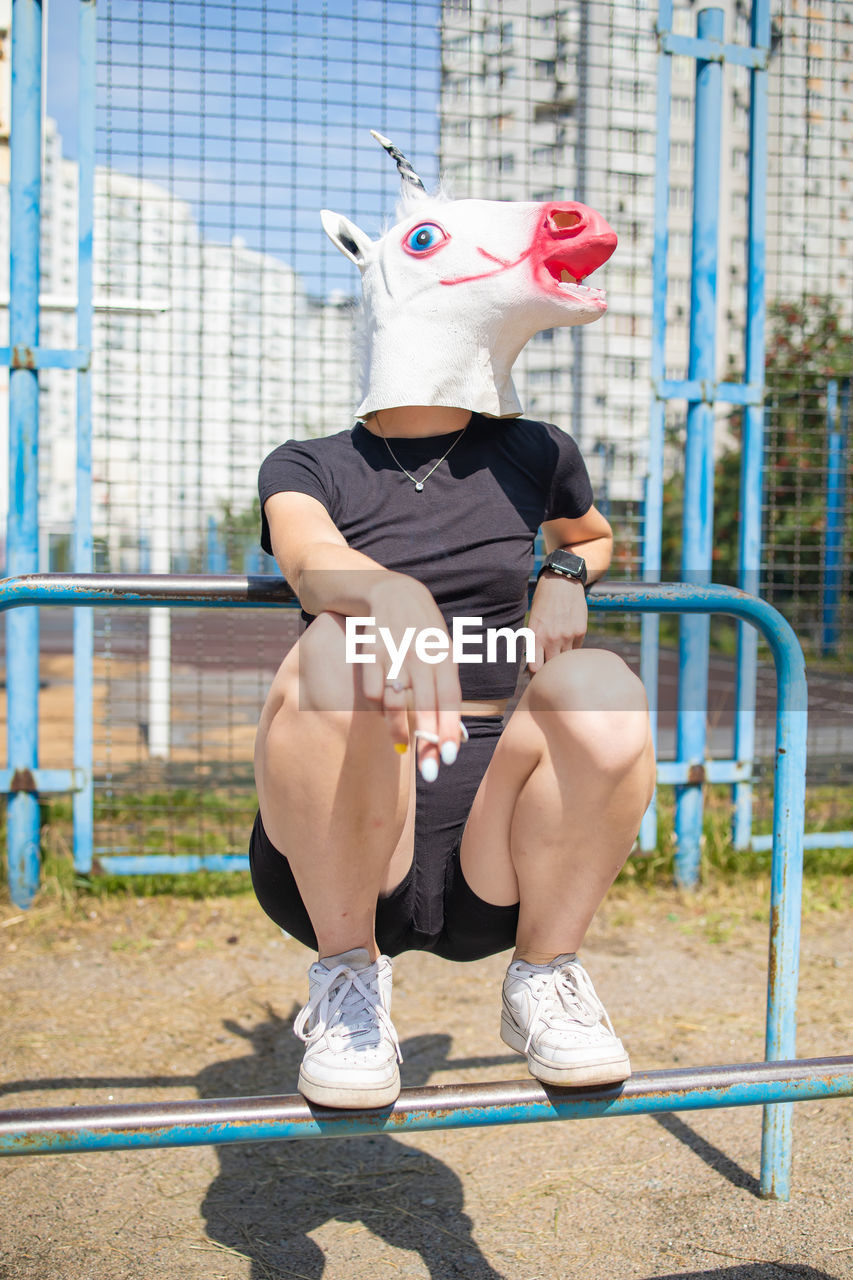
[{"x": 397, "y": 811}]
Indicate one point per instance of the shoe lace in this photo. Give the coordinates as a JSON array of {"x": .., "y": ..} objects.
[
  {"x": 340, "y": 1003},
  {"x": 567, "y": 993}
]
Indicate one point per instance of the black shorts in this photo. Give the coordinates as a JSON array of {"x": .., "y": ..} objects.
[{"x": 433, "y": 909}]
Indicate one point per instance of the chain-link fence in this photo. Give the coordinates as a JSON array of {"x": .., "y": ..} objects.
[{"x": 225, "y": 322}]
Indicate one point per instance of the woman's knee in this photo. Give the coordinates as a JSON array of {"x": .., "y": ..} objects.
[
  {"x": 317, "y": 676},
  {"x": 594, "y": 699}
]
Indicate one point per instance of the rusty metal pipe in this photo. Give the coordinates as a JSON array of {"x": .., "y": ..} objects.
[{"x": 196, "y": 1122}]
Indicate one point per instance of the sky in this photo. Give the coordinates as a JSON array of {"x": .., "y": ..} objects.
[{"x": 257, "y": 112}]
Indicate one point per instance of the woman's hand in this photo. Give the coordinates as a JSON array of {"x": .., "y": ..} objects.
[
  {"x": 406, "y": 609},
  {"x": 558, "y": 617}
]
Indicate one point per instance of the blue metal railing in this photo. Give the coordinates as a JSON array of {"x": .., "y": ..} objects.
[
  {"x": 136, "y": 591},
  {"x": 702, "y": 391},
  {"x": 193, "y": 1122}
]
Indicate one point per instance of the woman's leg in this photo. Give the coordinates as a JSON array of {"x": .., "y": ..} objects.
[
  {"x": 558, "y": 810},
  {"x": 335, "y": 798},
  {"x": 552, "y": 823},
  {"x": 337, "y": 801}
]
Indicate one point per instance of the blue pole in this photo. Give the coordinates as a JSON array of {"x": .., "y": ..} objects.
[
  {"x": 83, "y": 801},
  {"x": 653, "y": 504},
  {"x": 837, "y": 429},
  {"x": 699, "y": 455},
  {"x": 22, "y": 627},
  {"x": 752, "y": 457}
]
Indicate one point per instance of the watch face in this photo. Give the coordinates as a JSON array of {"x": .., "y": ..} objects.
[{"x": 567, "y": 563}]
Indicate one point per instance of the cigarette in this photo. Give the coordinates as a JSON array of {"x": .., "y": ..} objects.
[{"x": 434, "y": 738}]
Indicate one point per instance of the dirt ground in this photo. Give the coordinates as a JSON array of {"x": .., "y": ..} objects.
[{"x": 132, "y": 999}]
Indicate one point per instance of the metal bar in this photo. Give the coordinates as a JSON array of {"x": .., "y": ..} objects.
[
  {"x": 752, "y": 452},
  {"x": 707, "y": 49},
  {"x": 217, "y": 1121},
  {"x": 22, "y": 629},
  {"x": 139, "y": 590},
  {"x": 791, "y": 723},
  {"x": 698, "y": 510},
  {"x": 708, "y": 391},
  {"x": 167, "y": 864},
  {"x": 41, "y": 780},
  {"x": 672, "y": 772},
  {"x": 787, "y": 859},
  {"x": 84, "y": 626},
  {"x": 653, "y": 490},
  {"x": 837, "y": 423},
  {"x": 32, "y": 357},
  {"x": 811, "y": 840}
]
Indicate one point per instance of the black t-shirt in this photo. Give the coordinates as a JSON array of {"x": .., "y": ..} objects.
[{"x": 468, "y": 536}]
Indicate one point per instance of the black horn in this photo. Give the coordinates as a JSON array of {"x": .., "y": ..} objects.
[{"x": 407, "y": 173}]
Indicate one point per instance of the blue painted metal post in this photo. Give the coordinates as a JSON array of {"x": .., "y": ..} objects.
[
  {"x": 699, "y": 456},
  {"x": 83, "y": 800},
  {"x": 22, "y": 627},
  {"x": 786, "y": 891},
  {"x": 838, "y": 424},
  {"x": 752, "y": 455},
  {"x": 653, "y": 503}
]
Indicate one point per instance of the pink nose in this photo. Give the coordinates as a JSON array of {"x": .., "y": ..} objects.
[{"x": 579, "y": 236}]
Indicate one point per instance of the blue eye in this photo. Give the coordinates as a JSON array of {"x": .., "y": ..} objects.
[{"x": 425, "y": 238}]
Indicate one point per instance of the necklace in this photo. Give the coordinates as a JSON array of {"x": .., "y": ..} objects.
[{"x": 419, "y": 484}]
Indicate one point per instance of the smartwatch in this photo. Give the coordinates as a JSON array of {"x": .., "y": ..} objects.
[{"x": 567, "y": 564}]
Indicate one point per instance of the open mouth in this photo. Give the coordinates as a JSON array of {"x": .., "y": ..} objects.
[{"x": 566, "y": 282}]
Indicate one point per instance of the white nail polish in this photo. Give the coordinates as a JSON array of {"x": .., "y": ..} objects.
[
  {"x": 449, "y": 752},
  {"x": 429, "y": 769}
]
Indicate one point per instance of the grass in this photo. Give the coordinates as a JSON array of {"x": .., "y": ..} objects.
[{"x": 219, "y": 821}]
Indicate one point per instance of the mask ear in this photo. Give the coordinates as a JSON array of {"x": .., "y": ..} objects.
[{"x": 346, "y": 236}]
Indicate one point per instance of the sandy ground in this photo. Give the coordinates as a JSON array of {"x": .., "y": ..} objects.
[{"x": 131, "y": 999}]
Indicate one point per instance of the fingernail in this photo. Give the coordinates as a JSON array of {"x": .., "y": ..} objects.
[
  {"x": 449, "y": 752},
  {"x": 401, "y": 748},
  {"x": 429, "y": 769}
]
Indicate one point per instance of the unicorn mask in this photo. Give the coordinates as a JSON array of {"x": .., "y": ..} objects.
[{"x": 454, "y": 290}]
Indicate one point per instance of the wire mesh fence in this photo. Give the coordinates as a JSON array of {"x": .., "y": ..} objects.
[{"x": 226, "y": 323}]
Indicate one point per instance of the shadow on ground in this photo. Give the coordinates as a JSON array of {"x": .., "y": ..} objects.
[
  {"x": 712, "y": 1156},
  {"x": 268, "y": 1198},
  {"x": 751, "y": 1271}
]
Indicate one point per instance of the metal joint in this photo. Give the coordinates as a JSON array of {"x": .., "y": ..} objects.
[
  {"x": 23, "y": 358},
  {"x": 23, "y": 780},
  {"x": 695, "y": 775}
]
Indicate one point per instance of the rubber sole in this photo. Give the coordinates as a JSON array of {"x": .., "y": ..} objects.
[
  {"x": 611, "y": 1068},
  {"x": 348, "y": 1098}
]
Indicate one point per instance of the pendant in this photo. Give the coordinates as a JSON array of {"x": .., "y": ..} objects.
[{"x": 419, "y": 487}]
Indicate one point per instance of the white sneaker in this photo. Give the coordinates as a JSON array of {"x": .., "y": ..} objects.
[
  {"x": 552, "y": 1014},
  {"x": 353, "y": 1050}
]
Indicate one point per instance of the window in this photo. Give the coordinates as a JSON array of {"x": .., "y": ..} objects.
[
  {"x": 740, "y": 161},
  {"x": 625, "y": 139},
  {"x": 681, "y": 154}
]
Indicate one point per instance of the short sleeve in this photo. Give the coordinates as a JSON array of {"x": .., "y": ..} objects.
[
  {"x": 570, "y": 495},
  {"x": 291, "y": 468}
]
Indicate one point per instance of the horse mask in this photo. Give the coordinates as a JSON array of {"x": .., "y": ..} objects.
[{"x": 454, "y": 290}]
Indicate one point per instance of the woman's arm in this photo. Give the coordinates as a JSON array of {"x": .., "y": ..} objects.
[
  {"x": 558, "y": 611},
  {"x": 329, "y": 576},
  {"x": 590, "y": 537}
]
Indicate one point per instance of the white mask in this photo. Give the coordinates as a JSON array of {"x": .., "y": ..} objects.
[{"x": 456, "y": 288}]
